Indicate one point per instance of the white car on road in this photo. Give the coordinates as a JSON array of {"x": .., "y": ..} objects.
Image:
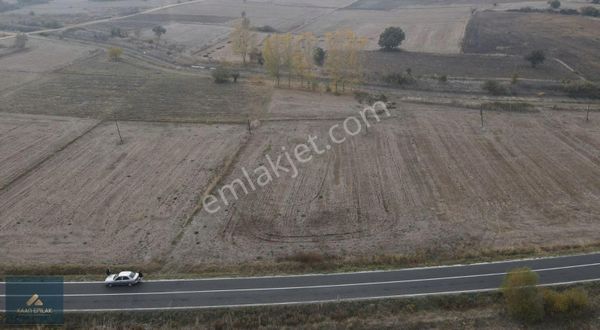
[{"x": 123, "y": 278}]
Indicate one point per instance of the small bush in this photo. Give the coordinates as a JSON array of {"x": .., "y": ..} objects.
[
  {"x": 523, "y": 299},
  {"x": 266, "y": 29},
  {"x": 494, "y": 88},
  {"x": 508, "y": 106},
  {"x": 370, "y": 99},
  {"x": 582, "y": 89},
  {"x": 590, "y": 11},
  {"x": 117, "y": 32},
  {"x": 221, "y": 75},
  {"x": 535, "y": 57},
  {"x": 399, "y": 79},
  {"x": 569, "y": 302},
  {"x": 305, "y": 258},
  {"x": 115, "y": 53},
  {"x": 443, "y": 78},
  {"x": 554, "y": 4},
  {"x": 569, "y": 11}
]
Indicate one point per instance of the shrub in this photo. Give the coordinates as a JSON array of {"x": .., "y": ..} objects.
[
  {"x": 494, "y": 88},
  {"x": 535, "y": 57},
  {"x": 319, "y": 56},
  {"x": 114, "y": 53},
  {"x": 399, "y": 79},
  {"x": 266, "y": 29},
  {"x": 305, "y": 258},
  {"x": 583, "y": 89},
  {"x": 443, "y": 78},
  {"x": 555, "y": 4},
  {"x": 590, "y": 11},
  {"x": 523, "y": 299},
  {"x": 367, "y": 98},
  {"x": 117, "y": 32},
  {"x": 391, "y": 38},
  {"x": 508, "y": 106},
  {"x": 221, "y": 75},
  {"x": 569, "y": 11},
  {"x": 515, "y": 78},
  {"x": 571, "y": 301}
]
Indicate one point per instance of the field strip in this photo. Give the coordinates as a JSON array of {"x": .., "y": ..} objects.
[
  {"x": 42, "y": 161},
  {"x": 214, "y": 182}
]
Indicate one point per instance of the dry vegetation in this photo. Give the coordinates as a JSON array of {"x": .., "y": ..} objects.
[
  {"x": 429, "y": 180},
  {"x": 572, "y": 39},
  {"x": 101, "y": 202},
  {"x": 466, "y": 311},
  {"x": 100, "y": 88},
  {"x": 27, "y": 140},
  {"x": 428, "y": 29}
]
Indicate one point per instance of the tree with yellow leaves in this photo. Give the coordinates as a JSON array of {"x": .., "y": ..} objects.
[
  {"x": 273, "y": 56},
  {"x": 344, "y": 57},
  {"x": 242, "y": 39},
  {"x": 303, "y": 57}
]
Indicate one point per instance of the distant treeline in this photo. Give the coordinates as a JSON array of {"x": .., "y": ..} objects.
[{"x": 585, "y": 11}]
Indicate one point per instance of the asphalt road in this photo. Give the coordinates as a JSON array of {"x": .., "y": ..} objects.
[{"x": 275, "y": 290}]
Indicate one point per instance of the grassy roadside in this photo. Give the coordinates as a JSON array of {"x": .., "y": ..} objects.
[
  {"x": 302, "y": 263},
  {"x": 464, "y": 311}
]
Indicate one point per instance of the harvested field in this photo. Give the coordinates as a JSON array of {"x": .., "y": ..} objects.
[
  {"x": 429, "y": 181},
  {"x": 100, "y": 202},
  {"x": 99, "y": 88},
  {"x": 428, "y": 29},
  {"x": 289, "y": 104},
  {"x": 572, "y": 39},
  {"x": 27, "y": 140},
  {"x": 280, "y": 16},
  {"x": 464, "y": 65},
  {"x": 44, "y": 55},
  {"x": 393, "y": 4},
  {"x": 87, "y": 7}
]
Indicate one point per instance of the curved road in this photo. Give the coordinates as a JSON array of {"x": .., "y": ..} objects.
[{"x": 277, "y": 290}]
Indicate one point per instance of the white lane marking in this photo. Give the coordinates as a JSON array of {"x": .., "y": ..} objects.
[
  {"x": 313, "y": 286},
  {"x": 365, "y": 271},
  {"x": 312, "y": 301}
]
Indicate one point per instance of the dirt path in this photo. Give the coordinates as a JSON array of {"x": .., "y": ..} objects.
[{"x": 105, "y": 20}]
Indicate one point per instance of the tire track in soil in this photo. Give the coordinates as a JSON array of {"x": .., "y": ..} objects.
[
  {"x": 216, "y": 181},
  {"x": 50, "y": 156}
]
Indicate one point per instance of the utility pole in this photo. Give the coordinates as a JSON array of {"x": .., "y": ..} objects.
[
  {"x": 481, "y": 115},
  {"x": 118, "y": 131},
  {"x": 587, "y": 115}
]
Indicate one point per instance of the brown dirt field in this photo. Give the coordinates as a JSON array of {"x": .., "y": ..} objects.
[
  {"x": 572, "y": 39},
  {"x": 428, "y": 29},
  {"x": 429, "y": 180},
  {"x": 27, "y": 140},
  {"x": 283, "y": 17},
  {"x": 290, "y": 104},
  {"x": 98, "y": 88},
  {"x": 40, "y": 56},
  {"x": 463, "y": 65},
  {"x": 44, "y": 55},
  {"x": 100, "y": 202}
]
